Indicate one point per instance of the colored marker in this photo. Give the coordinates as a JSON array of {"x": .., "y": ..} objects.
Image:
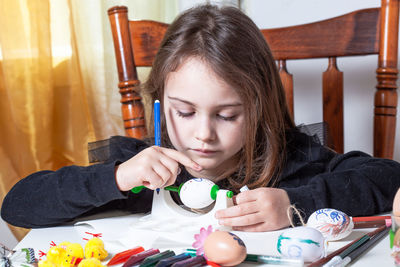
[
  {"x": 157, "y": 137},
  {"x": 157, "y": 127},
  {"x": 372, "y": 224},
  {"x": 274, "y": 260},
  {"x": 157, "y": 123},
  {"x": 339, "y": 258},
  {"x": 370, "y": 218},
  {"x": 171, "y": 260},
  {"x": 324, "y": 260},
  {"x": 191, "y": 252},
  {"x": 153, "y": 260},
  {"x": 196, "y": 261},
  {"x": 244, "y": 188},
  {"x": 137, "y": 258},
  {"x": 124, "y": 255},
  {"x": 339, "y": 261},
  {"x": 364, "y": 239},
  {"x": 356, "y": 253},
  {"x": 212, "y": 264},
  {"x": 391, "y": 237}
]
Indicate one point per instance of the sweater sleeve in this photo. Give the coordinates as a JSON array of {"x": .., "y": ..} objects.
[
  {"x": 354, "y": 183},
  {"x": 49, "y": 198}
]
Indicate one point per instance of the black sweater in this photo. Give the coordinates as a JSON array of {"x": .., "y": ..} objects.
[{"x": 313, "y": 176}]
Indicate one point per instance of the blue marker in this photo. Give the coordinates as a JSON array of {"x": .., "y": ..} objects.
[
  {"x": 157, "y": 123},
  {"x": 157, "y": 127},
  {"x": 157, "y": 137}
]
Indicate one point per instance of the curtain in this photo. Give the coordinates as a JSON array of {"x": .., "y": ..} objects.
[{"x": 58, "y": 82}]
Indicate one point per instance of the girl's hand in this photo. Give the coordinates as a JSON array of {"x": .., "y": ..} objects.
[
  {"x": 258, "y": 210},
  {"x": 154, "y": 167}
]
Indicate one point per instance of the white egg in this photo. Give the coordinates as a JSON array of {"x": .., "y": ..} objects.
[
  {"x": 301, "y": 243},
  {"x": 333, "y": 224},
  {"x": 196, "y": 193}
]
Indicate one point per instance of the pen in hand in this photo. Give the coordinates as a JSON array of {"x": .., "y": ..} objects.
[{"x": 157, "y": 137}]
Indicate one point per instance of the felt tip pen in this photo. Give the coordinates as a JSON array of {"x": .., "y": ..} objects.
[
  {"x": 171, "y": 260},
  {"x": 335, "y": 261},
  {"x": 157, "y": 123},
  {"x": 370, "y": 218},
  {"x": 274, "y": 260},
  {"x": 195, "y": 261},
  {"x": 244, "y": 188},
  {"x": 157, "y": 127},
  {"x": 157, "y": 137},
  {"x": 372, "y": 224},
  {"x": 138, "y": 258},
  {"x": 124, "y": 255},
  {"x": 343, "y": 261},
  {"x": 154, "y": 259}
]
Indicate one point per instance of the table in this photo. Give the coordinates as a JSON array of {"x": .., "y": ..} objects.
[{"x": 39, "y": 239}]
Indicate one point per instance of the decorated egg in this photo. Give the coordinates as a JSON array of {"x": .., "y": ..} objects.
[
  {"x": 396, "y": 204},
  {"x": 224, "y": 248},
  {"x": 333, "y": 224},
  {"x": 196, "y": 193},
  {"x": 396, "y": 211},
  {"x": 301, "y": 243}
]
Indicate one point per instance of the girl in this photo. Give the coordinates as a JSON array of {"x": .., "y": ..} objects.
[{"x": 225, "y": 119}]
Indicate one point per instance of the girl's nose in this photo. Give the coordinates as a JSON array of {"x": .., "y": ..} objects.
[{"x": 205, "y": 131}]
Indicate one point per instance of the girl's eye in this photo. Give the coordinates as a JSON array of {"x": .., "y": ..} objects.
[
  {"x": 227, "y": 118},
  {"x": 184, "y": 114}
]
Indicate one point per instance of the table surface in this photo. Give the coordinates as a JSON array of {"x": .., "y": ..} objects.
[{"x": 379, "y": 255}]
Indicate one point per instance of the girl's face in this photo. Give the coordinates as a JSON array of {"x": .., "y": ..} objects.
[{"x": 204, "y": 117}]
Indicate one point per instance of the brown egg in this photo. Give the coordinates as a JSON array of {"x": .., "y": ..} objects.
[
  {"x": 396, "y": 204},
  {"x": 224, "y": 248}
]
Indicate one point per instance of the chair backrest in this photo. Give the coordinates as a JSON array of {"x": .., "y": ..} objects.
[{"x": 362, "y": 32}]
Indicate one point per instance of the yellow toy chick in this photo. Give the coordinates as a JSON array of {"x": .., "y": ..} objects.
[
  {"x": 91, "y": 262},
  {"x": 46, "y": 263},
  {"x": 73, "y": 253},
  {"x": 94, "y": 248},
  {"x": 54, "y": 256},
  {"x": 66, "y": 254}
]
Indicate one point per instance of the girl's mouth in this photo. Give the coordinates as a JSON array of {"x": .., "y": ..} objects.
[{"x": 204, "y": 152}]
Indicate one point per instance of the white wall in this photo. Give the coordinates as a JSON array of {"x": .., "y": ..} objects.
[{"x": 358, "y": 92}]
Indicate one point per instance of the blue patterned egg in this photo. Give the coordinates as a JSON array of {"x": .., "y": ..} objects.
[
  {"x": 333, "y": 224},
  {"x": 301, "y": 243}
]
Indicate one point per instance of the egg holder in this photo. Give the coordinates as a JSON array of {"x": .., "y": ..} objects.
[{"x": 167, "y": 216}]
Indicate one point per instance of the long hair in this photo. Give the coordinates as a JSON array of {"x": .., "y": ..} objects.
[{"x": 235, "y": 49}]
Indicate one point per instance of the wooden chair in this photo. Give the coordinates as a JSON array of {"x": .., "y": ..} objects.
[{"x": 362, "y": 32}]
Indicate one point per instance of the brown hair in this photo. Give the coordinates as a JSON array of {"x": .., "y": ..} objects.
[{"x": 235, "y": 49}]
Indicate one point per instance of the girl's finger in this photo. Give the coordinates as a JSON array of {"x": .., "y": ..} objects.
[
  {"x": 244, "y": 220},
  {"x": 238, "y": 210},
  {"x": 181, "y": 158},
  {"x": 152, "y": 180},
  {"x": 173, "y": 167},
  {"x": 163, "y": 172},
  {"x": 258, "y": 227},
  {"x": 246, "y": 196},
  {"x": 170, "y": 164}
]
